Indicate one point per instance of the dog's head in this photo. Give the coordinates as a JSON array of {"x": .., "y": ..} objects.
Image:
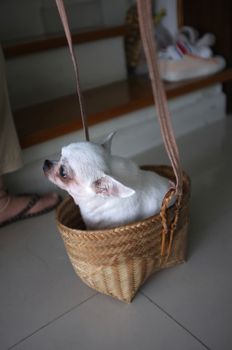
[{"x": 84, "y": 171}]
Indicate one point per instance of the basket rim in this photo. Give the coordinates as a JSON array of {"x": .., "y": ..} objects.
[{"x": 89, "y": 234}]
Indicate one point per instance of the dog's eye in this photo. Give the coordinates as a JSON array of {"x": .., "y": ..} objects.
[{"x": 62, "y": 171}]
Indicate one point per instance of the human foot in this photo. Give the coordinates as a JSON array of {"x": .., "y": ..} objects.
[{"x": 14, "y": 208}]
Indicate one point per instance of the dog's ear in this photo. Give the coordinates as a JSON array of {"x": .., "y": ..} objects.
[
  {"x": 107, "y": 186},
  {"x": 108, "y": 141}
]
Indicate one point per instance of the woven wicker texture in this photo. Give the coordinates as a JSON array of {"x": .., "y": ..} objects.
[
  {"x": 118, "y": 261},
  {"x": 133, "y": 44}
]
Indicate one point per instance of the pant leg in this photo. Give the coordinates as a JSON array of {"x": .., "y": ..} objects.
[{"x": 10, "y": 152}]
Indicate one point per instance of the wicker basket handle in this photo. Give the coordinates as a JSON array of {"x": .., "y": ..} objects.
[{"x": 147, "y": 36}]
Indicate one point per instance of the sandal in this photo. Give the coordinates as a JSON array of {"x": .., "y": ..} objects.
[{"x": 23, "y": 214}]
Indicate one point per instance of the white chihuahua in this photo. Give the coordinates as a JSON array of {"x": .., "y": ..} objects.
[{"x": 109, "y": 190}]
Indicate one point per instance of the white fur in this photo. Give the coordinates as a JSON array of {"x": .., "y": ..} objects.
[{"x": 109, "y": 190}]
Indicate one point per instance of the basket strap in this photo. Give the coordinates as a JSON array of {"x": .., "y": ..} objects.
[
  {"x": 64, "y": 20},
  {"x": 147, "y": 36},
  {"x": 159, "y": 95}
]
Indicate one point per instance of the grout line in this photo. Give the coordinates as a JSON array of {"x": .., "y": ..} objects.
[
  {"x": 177, "y": 322},
  {"x": 50, "y": 322}
]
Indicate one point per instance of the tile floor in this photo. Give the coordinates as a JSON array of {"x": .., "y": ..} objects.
[{"x": 43, "y": 305}]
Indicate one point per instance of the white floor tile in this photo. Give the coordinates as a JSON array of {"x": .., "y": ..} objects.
[
  {"x": 198, "y": 294},
  {"x": 37, "y": 282},
  {"x": 45, "y": 306},
  {"x": 103, "y": 323}
]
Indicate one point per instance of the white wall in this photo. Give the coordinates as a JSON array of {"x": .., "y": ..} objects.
[{"x": 170, "y": 20}]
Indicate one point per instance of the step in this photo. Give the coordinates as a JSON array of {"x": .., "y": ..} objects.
[
  {"x": 46, "y": 121},
  {"x": 44, "y": 71},
  {"x": 35, "y": 44},
  {"x": 137, "y": 132}
]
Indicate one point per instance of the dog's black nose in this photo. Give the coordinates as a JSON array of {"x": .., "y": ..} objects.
[{"x": 47, "y": 165}]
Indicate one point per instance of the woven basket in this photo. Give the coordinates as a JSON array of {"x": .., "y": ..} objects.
[
  {"x": 133, "y": 44},
  {"x": 118, "y": 261}
]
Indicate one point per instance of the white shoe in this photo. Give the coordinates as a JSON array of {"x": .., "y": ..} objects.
[{"x": 189, "y": 67}]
